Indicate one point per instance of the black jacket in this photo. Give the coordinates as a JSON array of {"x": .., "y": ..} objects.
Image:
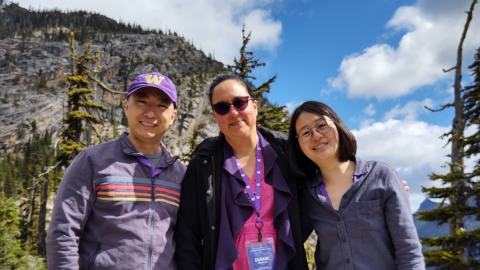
[{"x": 198, "y": 221}]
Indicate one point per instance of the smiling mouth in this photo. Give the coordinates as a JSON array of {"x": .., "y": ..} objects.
[
  {"x": 236, "y": 123},
  {"x": 320, "y": 146},
  {"x": 147, "y": 124}
]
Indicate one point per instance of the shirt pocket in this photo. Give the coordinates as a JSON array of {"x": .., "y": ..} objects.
[{"x": 370, "y": 214}]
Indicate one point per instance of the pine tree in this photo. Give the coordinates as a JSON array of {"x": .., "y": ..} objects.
[
  {"x": 185, "y": 158},
  {"x": 272, "y": 117},
  {"x": 12, "y": 256},
  {"x": 81, "y": 108},
  {"x": 459, "y": 249},
  {"x": 9, "y": 187}
]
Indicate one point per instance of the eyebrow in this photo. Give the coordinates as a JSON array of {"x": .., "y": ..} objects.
[
  {"x": 141, "y": 95},
  {"x": 316, "y": 121},
  {"x": 162, "y": 99},
  {"x": 166, "y": 100},
  {"x": 233, "y": 99}
]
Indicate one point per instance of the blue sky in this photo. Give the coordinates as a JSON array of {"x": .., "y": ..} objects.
[{"x": 375, "y": 62}]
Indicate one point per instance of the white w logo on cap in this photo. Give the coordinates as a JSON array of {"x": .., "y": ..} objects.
[{"x": 154, "y": 78}]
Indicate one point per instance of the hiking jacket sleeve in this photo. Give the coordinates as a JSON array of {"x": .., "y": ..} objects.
[{"x": 73, "y": 203}]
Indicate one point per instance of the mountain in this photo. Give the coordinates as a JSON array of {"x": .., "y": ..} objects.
[
  {"x": 35, "y": 56},
  {"x": 427, "y": 229}
]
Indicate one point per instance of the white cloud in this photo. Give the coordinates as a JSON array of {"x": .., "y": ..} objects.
[
  {"x": 402, "y": 144},
  {"x": 214, "y": 25},
  {"x": 366, "y": 122},
  {"x": 292, "y": 105},
  {"x": 370, "y": 110},
  {"x": 433, "y": 30},
  {"x": 325, "y": 93},
  {"x": 412, "y": 147},
  {"x": 410, "y": 111}
]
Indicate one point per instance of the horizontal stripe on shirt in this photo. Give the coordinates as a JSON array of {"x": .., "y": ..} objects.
[
  {"x": 132, "y": 187},
  {"x": 113, "y": 193},
  {"x": 133, "y": 199},
  {"x": 135, "y": 180}
]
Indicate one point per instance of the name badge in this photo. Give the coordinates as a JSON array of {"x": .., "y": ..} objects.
[{"x": 261, "y": 255}]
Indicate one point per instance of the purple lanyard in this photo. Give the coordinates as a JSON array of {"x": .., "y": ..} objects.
[
  {"x": 254, "y": 197},
  {"x": 145, "y": 162},
  {"x": 323, "y": 190}
]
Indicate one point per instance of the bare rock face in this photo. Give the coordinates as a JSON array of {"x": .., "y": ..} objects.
[{"x": 33, "y": 95}]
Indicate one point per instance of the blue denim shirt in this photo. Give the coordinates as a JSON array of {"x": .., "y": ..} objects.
[{"x": 373, "y": 227}]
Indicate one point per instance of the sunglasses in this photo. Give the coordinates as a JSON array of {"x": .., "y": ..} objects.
[{"x": 222, "y": 107}]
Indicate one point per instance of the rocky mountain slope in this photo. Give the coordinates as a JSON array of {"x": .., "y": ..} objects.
[{"x": 32, "y": 92}]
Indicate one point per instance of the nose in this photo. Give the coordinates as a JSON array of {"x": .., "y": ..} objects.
[
  {"x": 315, "y": 134},
  {"x": 233, "y": 111},
  {"x": 149, "y": 113}
]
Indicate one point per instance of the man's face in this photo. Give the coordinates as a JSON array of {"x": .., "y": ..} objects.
[{"x": 150, "y": 112}]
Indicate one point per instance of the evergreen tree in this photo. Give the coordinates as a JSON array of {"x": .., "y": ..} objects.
[
  {"x": 38, "y": 155},
  {"x": 9, "y": 187},
  {"x": 81, "y": 108},
  {"x": 272, "y": 117},
  {"x": 185, "y": 158},
  {"x": 453, "y": 247},
  {"x": 12, "y": 256},
  {"x": 459, "y": 249}
]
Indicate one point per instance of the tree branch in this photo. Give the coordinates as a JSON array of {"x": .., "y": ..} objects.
[
  {"x": 441, "y": 109},
  {"x": 47, "y": 171},
  {"x": 450, "y": 69},
  {"x": 104, "y": 87}
]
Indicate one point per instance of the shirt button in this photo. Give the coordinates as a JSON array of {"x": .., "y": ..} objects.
[
  {"x": 347, "y": 260},
  {"x": 204, "y": 162},
  {"x": 345, "y": 197},
  {"x": 208, "y": 191},
  {"x": 213, "y": 228},
  {"x": 344, "y": 240},
  {"x": 339, "y": 218}
]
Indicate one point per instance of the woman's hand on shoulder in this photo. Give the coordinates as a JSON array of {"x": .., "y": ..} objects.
[{"x": 407, "y": 188}]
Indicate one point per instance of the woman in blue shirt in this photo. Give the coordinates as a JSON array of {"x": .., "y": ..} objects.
[{"x": 359, "y": 209}]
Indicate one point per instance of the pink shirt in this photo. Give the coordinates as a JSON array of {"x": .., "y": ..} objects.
[{"x": 249, "y": 231}]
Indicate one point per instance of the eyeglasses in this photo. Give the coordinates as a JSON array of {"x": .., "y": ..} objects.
[
  {"x": 305, "y": 135},
  {"x": 222, "y": 107}
]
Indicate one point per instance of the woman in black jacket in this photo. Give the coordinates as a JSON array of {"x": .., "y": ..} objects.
[{"x": 219, "y": 222}]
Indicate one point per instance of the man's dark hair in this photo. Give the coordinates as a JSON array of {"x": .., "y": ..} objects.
[
  {"x": 223, "y": 78},
  {"x": 300, "y": 164}
]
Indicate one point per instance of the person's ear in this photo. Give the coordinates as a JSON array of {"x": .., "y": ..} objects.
[
  {"x": 174, "y": 113},
  {"x": 126, "y": 107}
]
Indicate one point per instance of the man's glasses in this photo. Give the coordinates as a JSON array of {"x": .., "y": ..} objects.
[
  {"x": 305, "y": 135},
  {"x": 222, "y": 107}
]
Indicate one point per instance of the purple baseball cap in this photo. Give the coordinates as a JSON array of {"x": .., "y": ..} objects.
[{"x": 155, "y": 80}]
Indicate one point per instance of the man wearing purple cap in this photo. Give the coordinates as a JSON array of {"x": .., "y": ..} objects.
[{"x": 116, "y": 207}]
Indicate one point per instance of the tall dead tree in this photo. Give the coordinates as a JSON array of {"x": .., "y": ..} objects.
[
  {"x": 458, "y": 127},
  {"x": 450, "y": 252}
]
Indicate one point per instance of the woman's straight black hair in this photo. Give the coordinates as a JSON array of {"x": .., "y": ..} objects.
[{"x": 300, "y": 164}]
